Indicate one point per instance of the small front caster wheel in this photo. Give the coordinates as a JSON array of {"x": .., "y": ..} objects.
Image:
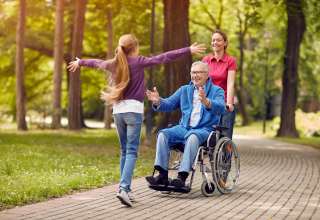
[{"x": 207, "y": 189}]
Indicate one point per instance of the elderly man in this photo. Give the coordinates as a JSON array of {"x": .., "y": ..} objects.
[{"x": 201, "y": 104}]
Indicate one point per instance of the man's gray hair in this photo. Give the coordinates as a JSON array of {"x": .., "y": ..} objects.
[{"x": 204, "y": 66}]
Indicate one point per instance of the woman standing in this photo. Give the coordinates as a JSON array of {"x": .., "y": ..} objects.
[
  {"x": 223, "y": 73},
  {"x": 126, "y": 93}
]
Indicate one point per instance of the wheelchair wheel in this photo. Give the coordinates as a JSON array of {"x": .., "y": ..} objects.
[
  {"x": 225, "y": 165},
  {"x": 206, "y": 189}
]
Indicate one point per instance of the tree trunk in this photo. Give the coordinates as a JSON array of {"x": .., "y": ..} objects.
[
  {"x": 20, "y": 89},
  {"x": 176, "y": 35},
  {"x": 149, "y": 110},
  {"x": 295, "y": 30},
  {"x": 107, "y": 108},
  {"x": 240, "y": 90},
  {"x": 58, "y": 60},
  {"x": 74, "y": 108}
]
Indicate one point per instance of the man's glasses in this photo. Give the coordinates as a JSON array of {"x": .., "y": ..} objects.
[{"x": 197, "y": 72}]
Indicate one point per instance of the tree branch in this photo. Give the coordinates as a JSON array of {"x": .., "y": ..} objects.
[
  {"x": 202, "y": 24},
  {"x": 208, "y": 13},
  {"x": 219, "y": 24}
]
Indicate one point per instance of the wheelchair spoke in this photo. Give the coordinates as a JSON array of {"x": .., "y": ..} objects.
[{"x": 225, "y": 165}]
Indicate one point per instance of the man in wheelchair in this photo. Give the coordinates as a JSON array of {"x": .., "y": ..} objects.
[{"x": 201, "y": 104}]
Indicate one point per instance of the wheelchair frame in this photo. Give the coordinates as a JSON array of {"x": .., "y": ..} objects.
[{"x": 220, "y": 153}]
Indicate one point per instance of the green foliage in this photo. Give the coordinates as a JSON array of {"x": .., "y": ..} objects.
[
  {"x": 95, "y": 82},
  {"x": 307, "y": 123},
  {"x": 135, "y": 17},
  {"x": 39, "y": 165},
  {"x": 309, "y": 59}
]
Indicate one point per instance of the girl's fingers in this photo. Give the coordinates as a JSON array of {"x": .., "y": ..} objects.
[{"x": 73, "y": 65}]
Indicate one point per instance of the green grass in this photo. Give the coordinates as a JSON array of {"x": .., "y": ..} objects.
[
  {"x": 310, "y": 141},
  {"x": 37, "y": 165},
  {"x": 255, "y": 129}
]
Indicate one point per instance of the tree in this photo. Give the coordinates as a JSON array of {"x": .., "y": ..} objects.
[
  {"x": 20, "y": 89},
  {"x": 58, "y": 60},
  {"x": 107, "y": 109},
  {"x": 176, "y": 35},
  {"x": 247, "y": 17},
  {"x": 295, "y": 30},
  {"x": 149, "y": 111},
  {"x": 74, "y": 108},
  {"x": 309, "y": 78},
  {"x": 216, "y": 22}
]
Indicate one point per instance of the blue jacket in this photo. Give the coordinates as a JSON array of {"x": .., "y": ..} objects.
[{"x": 182, "y": 99}]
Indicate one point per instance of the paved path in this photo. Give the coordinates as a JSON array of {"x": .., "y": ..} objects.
[{"x": 277, "y": 181}]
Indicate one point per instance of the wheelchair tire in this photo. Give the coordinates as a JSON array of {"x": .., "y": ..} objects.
[
  {"x": 205, "y": 189},
  {"x": 225, "y": 165}
]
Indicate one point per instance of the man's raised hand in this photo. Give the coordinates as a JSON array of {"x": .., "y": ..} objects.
[
  {"x": 203, "y": 98},
  {"x": 153, "y": 96}
]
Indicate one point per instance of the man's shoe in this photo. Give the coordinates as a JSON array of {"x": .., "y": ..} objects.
[
  {"x": 124, "y": 198},
  {"x": 180, "y": 181},
  {"x": 158, "y": 180}
]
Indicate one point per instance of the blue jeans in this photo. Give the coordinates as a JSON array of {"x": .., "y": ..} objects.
[
  {"x": 227, "y": 120},
  {"x": 128, "y": 127},
  {"x": 166, "y": 140}
]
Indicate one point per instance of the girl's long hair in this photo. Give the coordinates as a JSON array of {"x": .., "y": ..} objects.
[{"x": 128, "y": 43}]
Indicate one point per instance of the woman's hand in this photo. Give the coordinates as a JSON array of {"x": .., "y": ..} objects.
[
  {"x": 230, "y": 107},
  {"x": 153, "y": 96},
  {"x": 73, "y": 65},
  {"x": 103, "y": 96},
  {"x": 197, "y": 48}
]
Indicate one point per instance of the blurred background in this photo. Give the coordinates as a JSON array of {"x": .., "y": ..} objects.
[{"x": 276, "y": 44}]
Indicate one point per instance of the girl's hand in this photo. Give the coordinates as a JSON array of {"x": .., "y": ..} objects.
[
  {"x": 73, "y": 65},
  {"x": 153, "y": 96},
  {"x": 197, "y": 48}
]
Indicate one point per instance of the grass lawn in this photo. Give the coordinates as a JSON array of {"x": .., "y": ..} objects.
[
  {"x": 255, "y": 129},
  {"x": 37, "y": 165}
]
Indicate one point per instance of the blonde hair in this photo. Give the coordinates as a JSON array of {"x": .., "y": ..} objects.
[{"x": 128, "y": 43}]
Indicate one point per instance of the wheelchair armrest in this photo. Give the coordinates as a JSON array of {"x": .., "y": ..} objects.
[
  {"x": 220, "y": 128},
  {"x": 211, "y": 140}
]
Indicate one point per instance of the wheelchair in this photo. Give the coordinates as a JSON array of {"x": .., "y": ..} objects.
[{"x": 218, "y": 161}]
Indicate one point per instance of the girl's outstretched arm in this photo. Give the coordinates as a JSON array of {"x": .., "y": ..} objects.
[
  {"x": 196, "y": 48},
  {"x": 172, "y": 55},
  {"x": 93, "y": 63}
]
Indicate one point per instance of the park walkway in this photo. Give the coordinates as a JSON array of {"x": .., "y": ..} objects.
[{"x": 277, "y": 181}]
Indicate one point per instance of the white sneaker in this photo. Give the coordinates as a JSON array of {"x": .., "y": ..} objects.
[
  {"x": 124, "y": 198},
  {"x": 131, "y": 197}
]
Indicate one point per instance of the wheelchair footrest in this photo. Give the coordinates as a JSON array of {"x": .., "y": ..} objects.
[{"x": 170, "y": 188}]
